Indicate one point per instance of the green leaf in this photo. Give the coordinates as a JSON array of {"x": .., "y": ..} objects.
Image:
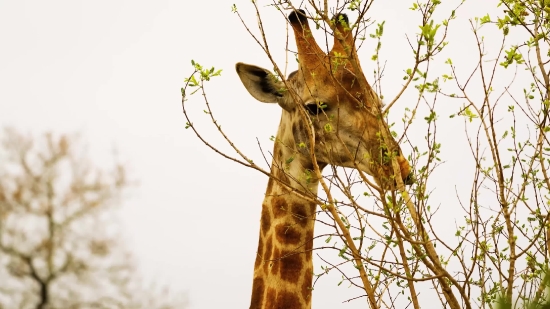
[
  {"x": 485, "y": 19},
  {"x": 469, "y": 114},
  {"x": 430, "y": 117}
]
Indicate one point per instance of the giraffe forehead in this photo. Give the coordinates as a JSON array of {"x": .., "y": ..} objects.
[
  {"x": 323, "y": 83},
  {"x": 337, "y": 88}
]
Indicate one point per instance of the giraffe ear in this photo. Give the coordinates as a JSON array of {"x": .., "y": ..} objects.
[{"x": 260, "y": 83}]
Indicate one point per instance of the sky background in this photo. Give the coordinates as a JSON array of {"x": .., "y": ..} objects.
[{"x": 112, "y": 71}]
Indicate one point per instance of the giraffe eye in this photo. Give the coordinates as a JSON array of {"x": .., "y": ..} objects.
[{"x": 316, "y": 108}]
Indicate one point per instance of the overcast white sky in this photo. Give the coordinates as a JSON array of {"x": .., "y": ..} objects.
[{"x": 112, "y": 70}]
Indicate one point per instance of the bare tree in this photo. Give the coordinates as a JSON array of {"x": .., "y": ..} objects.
[{"x": 59, "y": 242}]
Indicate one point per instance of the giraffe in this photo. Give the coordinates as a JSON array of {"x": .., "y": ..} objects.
[{"x": 329, "y": 89}]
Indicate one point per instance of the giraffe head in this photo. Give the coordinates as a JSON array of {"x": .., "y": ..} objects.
[{"x": 343, "y": 110}]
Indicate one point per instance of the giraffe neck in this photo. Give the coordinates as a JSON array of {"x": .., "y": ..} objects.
[{"x": 283, "y": 270}]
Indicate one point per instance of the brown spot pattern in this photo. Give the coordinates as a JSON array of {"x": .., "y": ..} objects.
[
  {"x": 268, "y": 247},
  {"x": 279, "y": 207},
  {"x": 260, "y": 253},
  {"x": 288, "y": 300},
  {"x": 282, "y": 177},
  {"x": 270, "y": 298},
  {"x": 309, "y": 244},
  {"x": 291, "y": 266},
  {"x": 302, "y": 214},
  {"x": 279, "y": 154},
  {"x": 276, "y": 262},
  {"x": 287, "y": 234},
  {"x": 268, "y": 253},
  {"x": 269, "y": 189},
  {"x": 258, "y": 288},
  {"x": 306, "y": 285},
  {"x": 265, "y": 221}
]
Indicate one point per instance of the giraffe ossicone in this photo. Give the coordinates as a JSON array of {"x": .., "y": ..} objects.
[{"x": 346, "y": 133}]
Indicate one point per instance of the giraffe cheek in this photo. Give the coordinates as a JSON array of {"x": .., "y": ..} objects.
[{"x": 300, "y": 135}]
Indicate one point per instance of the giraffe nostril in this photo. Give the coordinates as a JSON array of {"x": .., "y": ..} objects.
[{"x": 409, "y": 180}]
